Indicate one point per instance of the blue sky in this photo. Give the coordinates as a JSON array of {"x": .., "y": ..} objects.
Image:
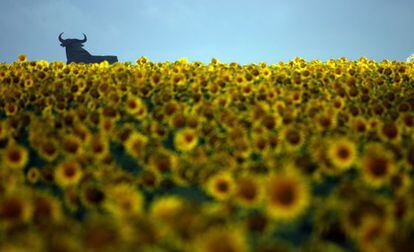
[{"x": 233, "y": 30}]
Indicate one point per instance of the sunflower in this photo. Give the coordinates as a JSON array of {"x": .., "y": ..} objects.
[
  {"x": 63, "y": 242},
  {"x": 170, "y": 108},
  {"x": 359, "y": 124},
  {"x": 258, "y": 222},
  {"x": 221, "y": 185},
  {"x": 261, "y": 143},
  {"x": 400, "y": 183},
  {"x": 99, "y": 146},
  {"x": 142, "y": 60},
  {"x": 259, "y": 110},
  {"x": 46, "y": 209},
  {"x": 363, "y": 207},
  {"x": 10, "y": 109},
  {"x": 193, "y": 121},
  {"x": 374, "y": 235},
  {"x": 248, "y": 191},
  {"x": 133, "y": 105},
  {"x": 342, "y": 152},
  {"x": 183, "y": 175},
  {"x": 220, "y": 239},
  {"x": 338, "y": 103},
  {"x": 245, "y": 87},
  {"x": 92, "y": 196},
  {"x": 107, "y": 126},
  {"x": 22, "y": 58},
  {"x": 163, "y": 161},
  {"x": 123, "y": 200},
  {"x": 326, "y": 220},
  {"x": 80, "y": 85},
  {"x": 136, "y": 107},
  {"x": 165, "y": 209},
  {"x": 214, "y": 61},
  {"x": 110, "y": 111},
  {"x": 185, "y": 139},
  {"x": 135, "y": 144},
  {"x": 279, "y": 107},
  {"x": 409, "y": 156},
  {"x": 377, "y": 165},
  {"x": 177, "y": 121},
  {"x": 48, "y": 149},
  {"x": 155, "y": 78},
  {"x": 33, "y": 175},
  {"x": 14, "y": 208},
  {"x": 178, "y": 79},
  {"x": 24, "y": 241},
  {"x": 149, "y": 179},
  {"x": 139, "y": 77},
  {"x": 406, "y": 120},
  {"x": 326, "y": 121},
  {"x": 42, "y": 75},
  {"x": 287, "y": 195},
  {"x": 15, "y": 156},
  {"x": 72, "y": 144},
  {"x": 242, "y": 148},
  {"x": 68, "y": 173},
  {"x": 3, "y": 129},
  {"x": 28, "y": 83},
  {"x": 390, "y": 132},
  {"x": 101, "y": 233},
  {"x": 266, "y": 72},
  {"x": 270, "y": 122},
  {"x": 222, "y": 101},
  {"x": 293, "y": 138}
]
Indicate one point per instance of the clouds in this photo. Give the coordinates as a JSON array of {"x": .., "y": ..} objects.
[{"x": 243, "y": 31}]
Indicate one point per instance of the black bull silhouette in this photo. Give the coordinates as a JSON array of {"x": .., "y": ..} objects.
[{"x": 75, "y": 53}]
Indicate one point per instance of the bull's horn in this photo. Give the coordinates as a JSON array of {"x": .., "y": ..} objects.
[
  {"x": 60, "y": 38},
  {"x": 84, "y": 38}
]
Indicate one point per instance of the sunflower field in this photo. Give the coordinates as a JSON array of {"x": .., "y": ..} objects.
[{"x": 218, "y": 157}]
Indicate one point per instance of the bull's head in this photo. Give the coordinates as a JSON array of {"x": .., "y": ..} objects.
[{"x": 72, "y": 42}]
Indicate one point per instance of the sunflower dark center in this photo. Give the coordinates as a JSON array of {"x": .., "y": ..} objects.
[
  {"x": 293, "y": 137},
  {"x": 247, "y": 191},
  {"x": 132, "y": 104},
  {"x": 390, "y": 130},
  {"x": 13, "y": 209},
  {"x": 69, "y": 171},
  {"x": 222, "y": 186},
  {"x": 95, "y": 195},
  {"x": 343, "y": 152},
  {"x": 71, "y": 146},
  {"x": 49, "y": 149},
  {"x": 14, "y": 156},
  {"x": 379, "y": 167},
  {"x": 285, "y": 194},
  {"x": 189, "y": 138},
  {"x": 97, "y": 148}
]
